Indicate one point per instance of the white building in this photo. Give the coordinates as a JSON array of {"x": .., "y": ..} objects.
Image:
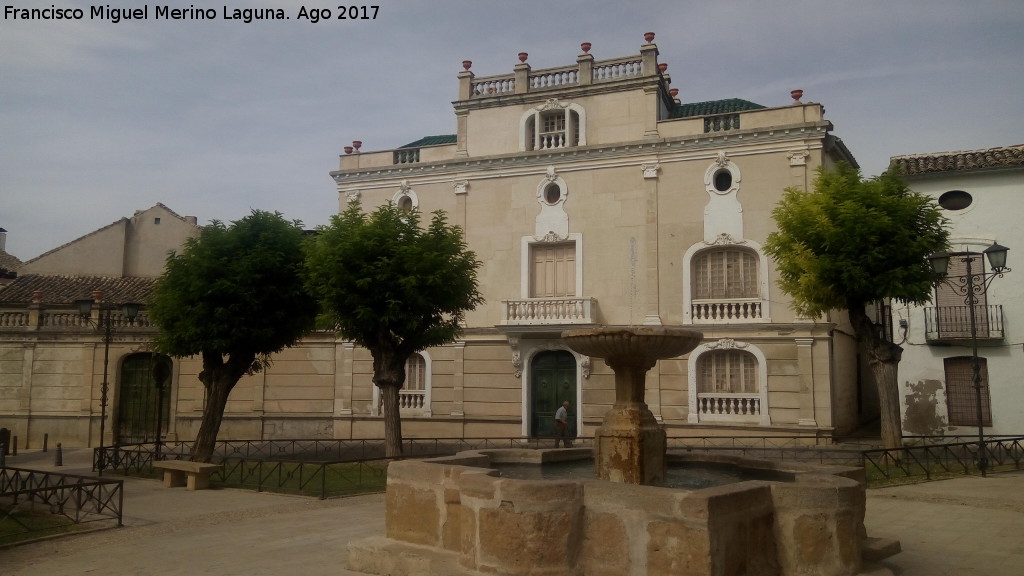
[{"x": 935, "y": 373}]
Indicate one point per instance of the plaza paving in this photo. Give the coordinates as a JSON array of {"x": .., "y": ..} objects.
[{"x": 969, "y": 526}]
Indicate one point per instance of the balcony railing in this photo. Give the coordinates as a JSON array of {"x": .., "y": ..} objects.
[
  {"x": 953, "y": 323},
  {"x": 554, "y": 78},
  {"x": 722, "y": 123},
  {"x": 411, "y": 399},
  {"x": 739, "y": 310},
  {"x": 540, "y": 311},
  {"x": 727, "y": 404}
]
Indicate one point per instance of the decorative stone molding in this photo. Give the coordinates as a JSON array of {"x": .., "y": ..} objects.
[
  {"x": 551, "y": 237},
  {"x": 798, "y": 157},
  {"x": 726, "y": 344},
  {"x": 552, "y": 223},
  {"x": 585, "y": 366},
  {"x": 461, "y": 186},
  {"x": 552, "y": 104},
  {"x": 724, "y": 239},
  {"x": 650, "y": 170},
  {"x": 517, "y": 357},
  {"x": 352, "y": 196},
  {"x": 405, "y": 191},
  {"x": 721, "y": 161}
]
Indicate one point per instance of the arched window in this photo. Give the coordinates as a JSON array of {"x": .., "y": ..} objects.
[
  {"x": 414, "y": 397},
  {"x": 728, "y": 383},
  {"x": 553, "y": 125},
  {"x": 725, "y": 273},
  {"x": 728, "y": 371}
]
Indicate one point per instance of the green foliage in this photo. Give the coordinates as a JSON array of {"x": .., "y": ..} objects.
[
  {"x": 235, "y": 289},
  {"x": 386, "y": 282},
  {"x": 852, "y": 241}
]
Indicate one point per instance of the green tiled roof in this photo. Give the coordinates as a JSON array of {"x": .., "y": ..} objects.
[
  {"x": 712, "y": 108},
  {"x": 432, "y": 141}
]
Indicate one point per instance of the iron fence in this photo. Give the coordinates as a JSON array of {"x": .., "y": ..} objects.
[
  {"x": 928, "y": 461},
  {"x": 77, "y": 499}
]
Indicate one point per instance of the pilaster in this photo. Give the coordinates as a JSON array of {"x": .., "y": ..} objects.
[
  {"x": 652, "y": 315},
  {"x": 458, "y": 378},
  {"x": 805, "y": 366}
]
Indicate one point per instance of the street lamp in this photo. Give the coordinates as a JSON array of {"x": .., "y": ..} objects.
[
  {"x": 967, "y": 287},
  {"x": 105, "y": 322}
]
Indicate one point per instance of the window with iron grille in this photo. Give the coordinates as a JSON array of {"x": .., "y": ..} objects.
[
  {"x": 952, "y": 312},
  {"x": 725, "y": 273},
  {"x": 961, "y": 398},
  {"x": 730, "y": 371}
]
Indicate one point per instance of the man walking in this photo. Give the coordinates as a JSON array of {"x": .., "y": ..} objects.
[{"x": 562, "y": 425}]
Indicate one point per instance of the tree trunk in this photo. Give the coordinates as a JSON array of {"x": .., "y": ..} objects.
[
  {"x": 389, "y": 376},
  {"x": 883, "y": 359},
  {"x": 219, "y": 378},
  {"x": 392, "y": 421},
  {"x": 213, "y": 412}
]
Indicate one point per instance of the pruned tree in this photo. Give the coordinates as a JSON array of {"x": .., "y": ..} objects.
[
  {"x": 394, "y": 288},
  {"x": 851, "y": 242},
  {"x": 233, "y": 296}
]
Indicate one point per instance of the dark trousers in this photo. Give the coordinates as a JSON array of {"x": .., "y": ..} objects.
[{"x": 562, "y": 434}]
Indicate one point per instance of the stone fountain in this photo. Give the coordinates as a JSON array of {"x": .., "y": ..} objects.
[
  {"x": 456, "y": 515},
  {"x": 630, "y": 445}
]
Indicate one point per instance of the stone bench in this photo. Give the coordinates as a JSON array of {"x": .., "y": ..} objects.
[{"x": 192, "y": 475}]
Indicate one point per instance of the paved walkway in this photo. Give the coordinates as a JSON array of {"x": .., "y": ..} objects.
[{"x": 968, "y": 526}]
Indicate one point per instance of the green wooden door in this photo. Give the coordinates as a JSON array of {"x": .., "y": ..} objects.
[
  {"x": 140, "y": 398},
  {"x": 552, "y": 381}
]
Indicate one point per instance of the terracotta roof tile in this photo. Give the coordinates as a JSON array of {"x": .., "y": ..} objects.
[
  {"x": 1001, "y": 157},
  {"x": 67, "y": 289}
]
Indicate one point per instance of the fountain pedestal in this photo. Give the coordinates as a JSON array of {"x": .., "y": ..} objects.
[{"x": 630, "y": 444}]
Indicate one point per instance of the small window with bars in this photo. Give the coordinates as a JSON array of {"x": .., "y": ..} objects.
[{"x": 961, "y": 397}]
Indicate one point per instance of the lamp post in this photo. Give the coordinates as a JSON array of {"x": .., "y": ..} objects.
[
  {"x": 105, "y": 323},
  {"x": 161, "y": 373},
  {"x": 968, "y": 287}
]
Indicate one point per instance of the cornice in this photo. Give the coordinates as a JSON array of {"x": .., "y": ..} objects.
[{"x": 685, "y": 148}]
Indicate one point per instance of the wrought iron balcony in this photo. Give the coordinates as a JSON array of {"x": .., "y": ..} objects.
[{"x": 953, "y": 323}]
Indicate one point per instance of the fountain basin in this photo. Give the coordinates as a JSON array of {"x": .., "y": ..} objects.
[
  {"x": 629, "y": 446},
  {"x": 456, "y": 515}
]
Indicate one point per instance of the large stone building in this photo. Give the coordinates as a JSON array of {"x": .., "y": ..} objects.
[
  {"x": 936, "y": 374},
  {"x": 593, "y": 196}
]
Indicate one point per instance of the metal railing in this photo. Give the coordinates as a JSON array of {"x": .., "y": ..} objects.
[
  {"x": 929, "y": 461},
  {"x": 954, "y": 322},
  {"x": 78, "y": 499}
]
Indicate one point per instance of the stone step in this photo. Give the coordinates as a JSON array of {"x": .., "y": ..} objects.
[{"x": 875, "y": 549}]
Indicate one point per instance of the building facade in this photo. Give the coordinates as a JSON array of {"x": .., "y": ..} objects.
[
  {"x": 593, "y": 196},
  {"x": 936, "y": 373}
]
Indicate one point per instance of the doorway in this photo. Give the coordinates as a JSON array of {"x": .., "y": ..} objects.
[
  {"x": 144, "y": 400},
  {"x": 552, "y": 381}
]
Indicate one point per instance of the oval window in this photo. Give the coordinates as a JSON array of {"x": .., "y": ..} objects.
[
  {"x": 552, "y": 194},
  {"x": 405, "y": 204},
  {"x": 723, "y": 180}
]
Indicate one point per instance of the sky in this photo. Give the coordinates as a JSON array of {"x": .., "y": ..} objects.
[{"x": 215, "y": 118}]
